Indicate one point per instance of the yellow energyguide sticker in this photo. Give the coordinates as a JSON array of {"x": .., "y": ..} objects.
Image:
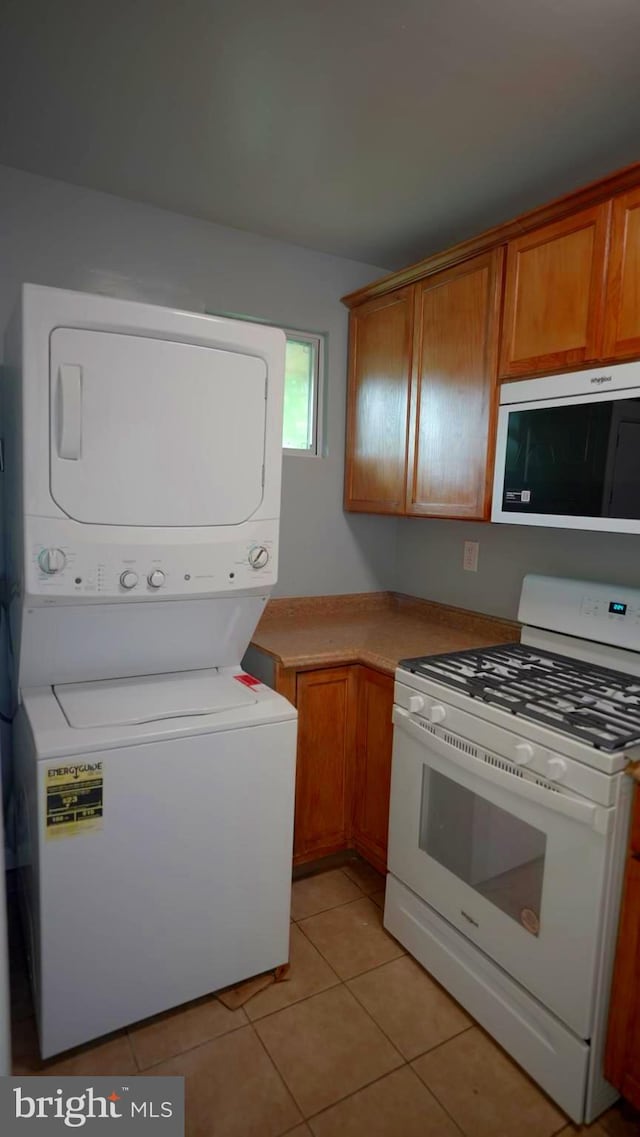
[{"x": 73, "y": 798}]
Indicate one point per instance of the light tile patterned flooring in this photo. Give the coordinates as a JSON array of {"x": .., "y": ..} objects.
[{"x": 358, "y": 1042}]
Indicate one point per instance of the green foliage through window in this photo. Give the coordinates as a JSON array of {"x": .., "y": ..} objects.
[{"x": 300, "y": 393}]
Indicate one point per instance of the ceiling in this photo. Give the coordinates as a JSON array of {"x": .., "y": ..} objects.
[{"x": 381, "y": 131}]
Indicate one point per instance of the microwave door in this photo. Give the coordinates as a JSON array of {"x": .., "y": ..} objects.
[
  {"x": 556, "y": 458},
  {"x": 621, "y": 496},
  {"x": 574, "y": 464}
]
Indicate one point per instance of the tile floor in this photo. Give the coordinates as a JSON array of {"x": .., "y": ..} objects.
[{"x": 358, "y": 1042}]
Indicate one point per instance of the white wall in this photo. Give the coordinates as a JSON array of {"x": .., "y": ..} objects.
[
  {"x": 54, "y": 233},
  {"x": 429, "y": 560},
  {"x": 58, "y": 234}
]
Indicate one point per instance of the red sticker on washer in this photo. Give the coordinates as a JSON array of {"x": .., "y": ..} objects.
[{"x": 248, "y": 680}]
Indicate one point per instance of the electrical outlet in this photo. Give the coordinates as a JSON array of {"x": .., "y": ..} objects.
[{"x": 470, "y": 559}]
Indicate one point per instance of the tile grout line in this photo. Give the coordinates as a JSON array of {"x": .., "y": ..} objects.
[
  {"x": 409, "y": 1061},
  {"x": 403, "y": 1062},
  {"x": 554, "y": 1133},
  {"x": 348, "y": 978},
  {"x": 133, "y": 1052},
  {"x": 429, "y": 1049},
  {"x": 367, "y": 894},
  {"x": 322, "y": 957},
  {"x": 190, "y": 1049},
  {"x": 282, "y": 1078},
  {"x": 332, "y": 907},
  {"x": 434, "y": 1095}
]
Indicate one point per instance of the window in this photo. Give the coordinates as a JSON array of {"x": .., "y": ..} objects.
[
  {"x": 303, "y": 377},
  {"x": 302, "y": 393}
]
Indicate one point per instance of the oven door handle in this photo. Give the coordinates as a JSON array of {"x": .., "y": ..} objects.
[{"x": 586, "y": 812}]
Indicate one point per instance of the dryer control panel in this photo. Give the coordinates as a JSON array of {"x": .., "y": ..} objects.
[{"x": 69, "y": 569}]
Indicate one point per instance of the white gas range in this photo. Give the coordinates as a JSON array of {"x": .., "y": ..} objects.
[{"x": 508, "y": 826}]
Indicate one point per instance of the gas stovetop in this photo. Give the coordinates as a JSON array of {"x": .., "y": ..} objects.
[{"x": 594, "y": 704}]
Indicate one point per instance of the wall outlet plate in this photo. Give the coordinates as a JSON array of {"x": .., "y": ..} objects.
[{"x": 470, "y": 558}]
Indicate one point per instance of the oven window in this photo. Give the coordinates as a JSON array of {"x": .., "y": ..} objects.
[
  {"x": 490, "y": 849},
  {"x": 580, "y": 460}
]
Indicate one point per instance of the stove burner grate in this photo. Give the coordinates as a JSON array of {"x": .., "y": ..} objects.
[{"x": 594, "y": 704}]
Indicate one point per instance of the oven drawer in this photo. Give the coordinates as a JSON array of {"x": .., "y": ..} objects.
[{"x": 530, "y": 1034}]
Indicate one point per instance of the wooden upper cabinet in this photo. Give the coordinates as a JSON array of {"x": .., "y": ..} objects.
[
  {"x": 622, "y": 307},
  {"x": 554, "y": 295},
  {"x": 379, "y": 366},
  {"x": 453, "y": 389}
]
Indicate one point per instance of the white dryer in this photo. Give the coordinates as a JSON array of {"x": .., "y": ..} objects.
[
  {"x": 143, "y": 456},
  {"x": 155, "y": 782}
]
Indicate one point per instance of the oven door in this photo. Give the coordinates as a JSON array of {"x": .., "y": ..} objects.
[
  {"x": 571, "y": 461},
  {"x": 515, "y": 865}
]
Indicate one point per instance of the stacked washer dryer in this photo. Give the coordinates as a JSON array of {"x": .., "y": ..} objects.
[{"x": 154, "y": 780}]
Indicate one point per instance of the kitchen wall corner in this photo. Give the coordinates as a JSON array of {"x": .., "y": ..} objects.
[{"x": 429, "y": 560}]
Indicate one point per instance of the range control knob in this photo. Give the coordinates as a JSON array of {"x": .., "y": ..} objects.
[
  {"x": 51, "y": 561},
  {"x": 155, "y": 579},
  {"x": 258, "y": 556},
  {"x": 416, "y": 704},
  {"x": 128, "y": 579},
  {"x": 523, "y": 753},
  {"x": 437, "y": 713},
  {"x": 556, "y": 769}
]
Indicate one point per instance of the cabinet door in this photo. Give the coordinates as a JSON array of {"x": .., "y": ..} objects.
[
  {"x": 377, "y": 407},
  {"x": 554, "y": 295},
  {"x": 622, "y": 1058},
  {"x": 372, "y": 775},
  {"x": 622, "y": 310},
  {"x": 453, "y": 391},
  {"x": 326, "y": 729}
]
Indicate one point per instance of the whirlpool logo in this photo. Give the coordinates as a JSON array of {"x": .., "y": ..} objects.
[
  {"x": 46, "y": 1105},
  {"x": 600, "y": 379}
]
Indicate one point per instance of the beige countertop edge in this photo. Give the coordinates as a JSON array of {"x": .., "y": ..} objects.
[{"x": 371, "y": 617}]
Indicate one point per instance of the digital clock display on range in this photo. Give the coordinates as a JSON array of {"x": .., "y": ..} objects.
[{"x": 617, "y": 608}]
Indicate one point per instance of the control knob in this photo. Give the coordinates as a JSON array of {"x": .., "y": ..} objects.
[
  {"x": 437, "y": 713},
  {"x": 128, "y": 579},
  {"x": 556, "y": 769},
  {"x": 155, "y": 579},
  {"x": 258, "y": 556},
  {"x": 416, "y": 704},
  {"x": 523, "y": 753},
  {"x": 51, "y": 561}
]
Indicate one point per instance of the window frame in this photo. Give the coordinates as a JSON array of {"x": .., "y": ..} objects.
[{"x": 316, "y": 407}]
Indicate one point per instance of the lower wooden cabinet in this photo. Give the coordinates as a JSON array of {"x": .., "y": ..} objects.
[
  {"x": 622, "y": 1060},
  {"x": 326, "y": 733},
  {"x": 343, "y": 768},
  {"x": 372, "y": 765}
]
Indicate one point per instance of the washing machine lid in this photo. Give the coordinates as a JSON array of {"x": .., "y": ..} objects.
[{"x": 150, "y": 698}]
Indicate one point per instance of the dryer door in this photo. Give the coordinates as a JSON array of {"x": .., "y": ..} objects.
[{"x": 149, "y": 432}]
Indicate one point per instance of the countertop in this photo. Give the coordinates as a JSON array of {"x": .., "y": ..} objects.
[{"x": 376, "y": 629}]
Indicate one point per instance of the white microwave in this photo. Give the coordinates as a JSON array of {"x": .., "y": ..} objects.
[{"x": 568, "y": 451}]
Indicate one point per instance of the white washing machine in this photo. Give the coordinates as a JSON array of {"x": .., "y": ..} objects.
[
  {"x": 155, "y": 781},
  {"x": 158, "y": 816}
]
